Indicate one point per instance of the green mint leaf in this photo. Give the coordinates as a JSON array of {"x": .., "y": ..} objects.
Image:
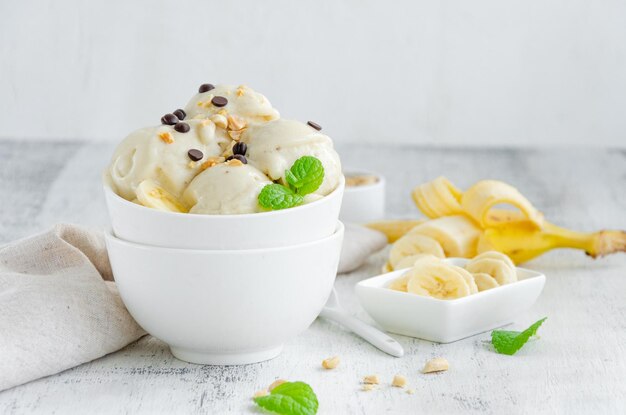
[
  {"x": 290, "y": 398},
  {"x": 306, "y": 175},
  {"x": 509, "y": 342},
  {"x": 291, "y": 178},
  {"x": 275, "y": 196}
]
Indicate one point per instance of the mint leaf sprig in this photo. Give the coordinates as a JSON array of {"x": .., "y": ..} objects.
[
  {"x": 304, "y": 177},
  {"x": 290, "y": 398},
  {"x": 509, "y": 342}
]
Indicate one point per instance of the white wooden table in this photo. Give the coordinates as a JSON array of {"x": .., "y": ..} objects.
[{"x": 578, "y": 366}]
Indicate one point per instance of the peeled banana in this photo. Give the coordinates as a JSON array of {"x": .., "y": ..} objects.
[{"x": 464, "y": 224}]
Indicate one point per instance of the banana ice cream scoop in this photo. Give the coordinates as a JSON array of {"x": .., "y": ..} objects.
[
  {"x": 274, "y": 146},
  {"x": 227, "y": 189},
  {"x": 240, "y": 100},
  {"x": 162, "y": 154}
]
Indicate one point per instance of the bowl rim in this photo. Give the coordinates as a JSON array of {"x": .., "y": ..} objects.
[
  {"x": 370, "y": 284},
  {"x": 108, "y": 190},
  {"x": 110, "y": 236}
]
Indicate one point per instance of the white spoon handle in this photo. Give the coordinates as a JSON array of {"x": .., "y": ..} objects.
[{"x": 376, "y": 337}]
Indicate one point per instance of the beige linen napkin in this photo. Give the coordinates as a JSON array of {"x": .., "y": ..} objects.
[
  {"x": 58, "y": 305},
  {"x": 359, "y": 243}
]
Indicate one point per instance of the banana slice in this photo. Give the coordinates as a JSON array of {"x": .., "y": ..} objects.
[
  {"x": 498, "y": 269},
  {"x": 414, "y": 244},
  {"x": 485, "y": 281},
  {"x": 410, "y": 261},
  {"x": 495, "y": 255},
  {"x": 399, "y": 284},
  {"x": 438, "y": 198},
  {"x": 478, "y": 200},
  {"x": 457, "y": 235},
  {"x": 151, "y": 195},
  {"x": 436, "y": 279},
  {"x": 469, "y": 278}
]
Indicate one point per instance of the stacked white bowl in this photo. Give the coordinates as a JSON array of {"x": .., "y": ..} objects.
[{"x": 225, "y": 289}]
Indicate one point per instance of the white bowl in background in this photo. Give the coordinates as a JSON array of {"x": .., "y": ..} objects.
[
  {"x": 362, "y": 204},
  {"x": 310, "y": 222},
  {"x": 446, "y": 321},
  {"x": 225, "y": 307}
]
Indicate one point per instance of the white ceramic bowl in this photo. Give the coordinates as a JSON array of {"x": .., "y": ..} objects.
[
  {"x": 445, "y": 321},
  {"x": 225, "y": 307},
  {"x": 301, "y": 224},
  {"x": 365, "y": 203}
]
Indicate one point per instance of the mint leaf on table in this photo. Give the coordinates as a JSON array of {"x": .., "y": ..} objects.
[
  {"x": 509, "y": 342},
  {"x": 275, "y": 197},
  {"x": 306, "y": 175},
  {"x": 290, "y": 398}
]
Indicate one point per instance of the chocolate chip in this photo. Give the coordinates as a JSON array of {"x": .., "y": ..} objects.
[
  {"x": 206, "y": 87},
  {"x": 180, "y": 114},
  {"x": 182, "y": 127},
  {"x": 169, "y": 119},
  {"x": 314, "y": 125},
  {"x": 219, "y": 101},
  {"x": 240, "y": 148},
  {"x": 195, "y": 155},
  {"x": 238, "y": 157}
]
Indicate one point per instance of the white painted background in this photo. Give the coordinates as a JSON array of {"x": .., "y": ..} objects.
[{"x": 481, "y": 72}]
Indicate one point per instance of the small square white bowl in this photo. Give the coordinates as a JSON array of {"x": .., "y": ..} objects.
[{"x": 446, "y": 321}]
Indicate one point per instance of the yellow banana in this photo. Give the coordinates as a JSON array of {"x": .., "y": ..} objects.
[
  {"x": 467, "y": 223},
  {"x": 522, "y": 241}
]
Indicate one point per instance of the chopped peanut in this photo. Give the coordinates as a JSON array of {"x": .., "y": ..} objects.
[
  {"x": 371, "y": 380},
  {"x": 166, "y": 137},
  {"x": 235, "y": 135},
  {"x": 438, "y": 364},
  {"x": 191, "y": 164},
  {"x": 331, "y": 362},
  {"x": 260, "y": 393},
  {"x": 368, "y": 387},
  {"x": 234, "y": 163},
  {"x": 277, "y": 382},
  {"x": 236, "y": 123},
  {"x": 399, "y": 381},
  {"x": 219, "y": 120},
  {"x": 211, "y": 162}
]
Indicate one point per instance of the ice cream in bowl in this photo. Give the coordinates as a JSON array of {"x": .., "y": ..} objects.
[
  {"x": 225, "y": 237},
  {"x": 197, "y": 180}
]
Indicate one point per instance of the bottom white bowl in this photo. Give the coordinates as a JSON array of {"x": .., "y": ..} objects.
[
  {"x": 225, "y": 307},
  {"x": 445, "y": 321}
]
